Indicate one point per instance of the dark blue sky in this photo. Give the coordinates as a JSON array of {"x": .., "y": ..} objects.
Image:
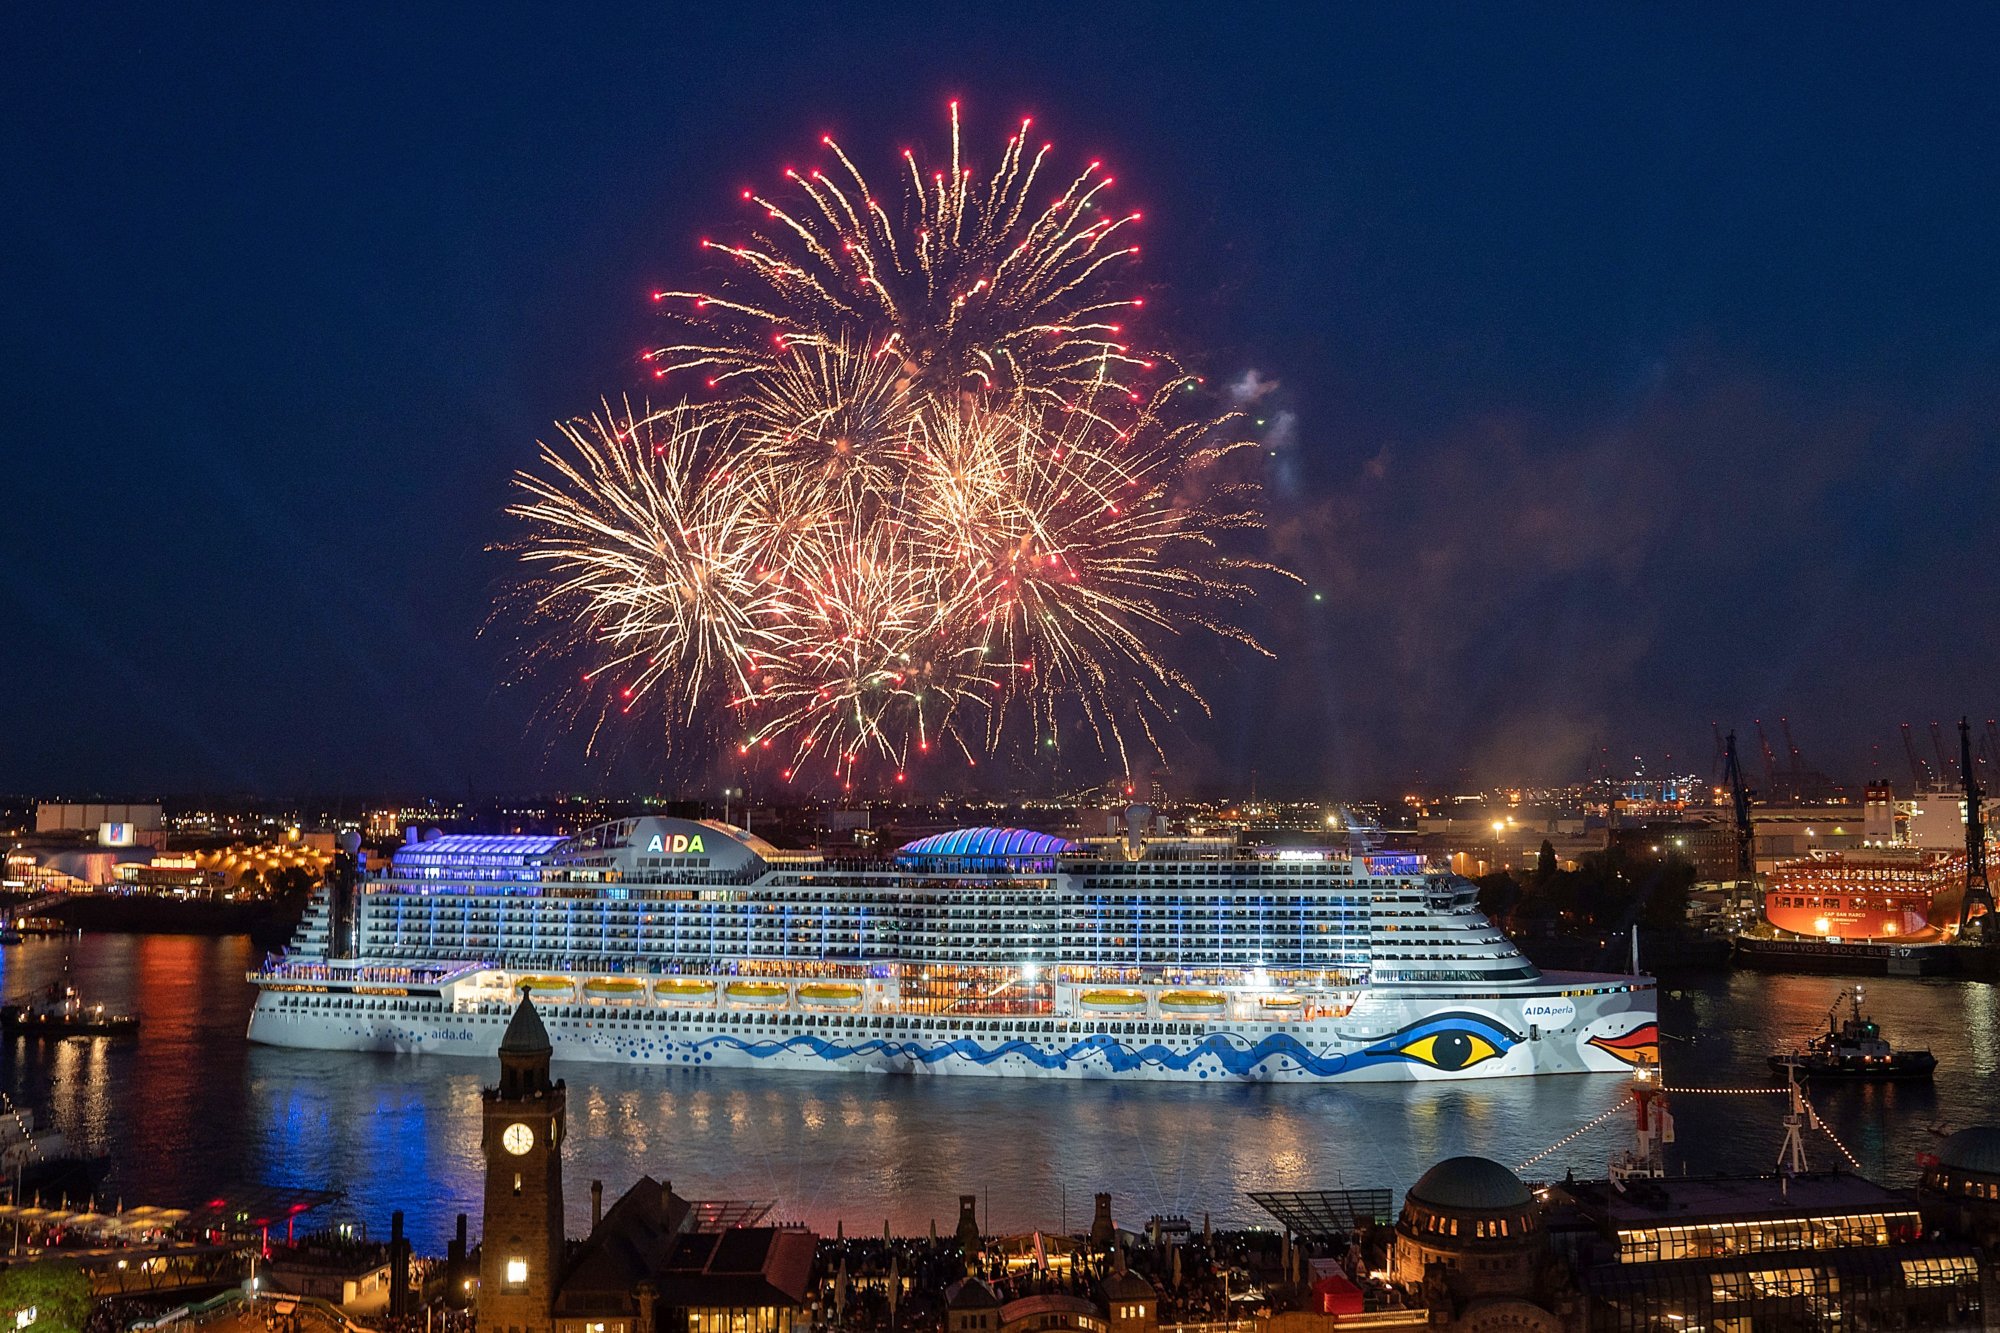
[{"x": 1635, "y": 367}]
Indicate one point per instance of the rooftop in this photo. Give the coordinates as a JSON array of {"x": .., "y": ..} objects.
[
  {"x": 470, "y": 850},
  {"x": 1703, "y": 1200},
  {"x": 993, "y": 849},
  {"x": 1475, "y": 1184},
  {"x": 525, "y": 1034},
  {"x": 1976, "y": 1149}
]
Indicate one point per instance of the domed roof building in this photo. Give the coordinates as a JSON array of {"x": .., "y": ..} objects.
[
  {"x": 1959, "y": 1193},
  {"x": 976, "y": 851},
  {"x": 1471, "y": 1184},
  {"x": 1471, "y": 1236},
  {"x": 1975, "y": 1151}
]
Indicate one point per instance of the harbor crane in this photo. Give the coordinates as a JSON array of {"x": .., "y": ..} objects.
[
  {"x": 1770, "y": 761},
  {"x": 1917, "y": 777},
  {"x": 1791, "y": 747},
  {"x": 1937, "y": 743}
]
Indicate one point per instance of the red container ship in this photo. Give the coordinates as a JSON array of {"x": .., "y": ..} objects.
[{"x": 1905, "y": 895}]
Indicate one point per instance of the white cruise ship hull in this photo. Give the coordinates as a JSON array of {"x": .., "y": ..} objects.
[{"x": 1568, "y": 1025}]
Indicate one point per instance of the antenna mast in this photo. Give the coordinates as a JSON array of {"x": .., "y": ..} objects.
[
  {"x": 1792, "y": 1154},
  {"x": 1746, "y": 849},
  {"x": 1977, "y": 891}
]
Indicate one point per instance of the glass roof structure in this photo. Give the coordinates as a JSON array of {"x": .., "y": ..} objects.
[
  {"x": 481, "y": 852},
  {"x": 984, "y": 851},
  {"x": 1324, "y": 1213}
]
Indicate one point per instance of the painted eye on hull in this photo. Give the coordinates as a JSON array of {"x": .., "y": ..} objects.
[
  {"x": 1450, "y": 1042},
  {"x": 1450, "y": 1050}
]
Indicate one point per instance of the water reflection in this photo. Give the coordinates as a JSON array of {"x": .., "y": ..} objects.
[{"x": 189, "y": 1106}]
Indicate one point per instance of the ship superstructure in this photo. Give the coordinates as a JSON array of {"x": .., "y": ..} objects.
[{"x": 999, "y": 951}]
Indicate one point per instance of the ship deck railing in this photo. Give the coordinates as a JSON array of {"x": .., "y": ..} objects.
[{"x": 293, "y": 970}]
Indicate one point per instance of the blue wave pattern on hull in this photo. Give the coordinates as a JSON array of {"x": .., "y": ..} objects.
[{"x": 1242, "y": 1061}]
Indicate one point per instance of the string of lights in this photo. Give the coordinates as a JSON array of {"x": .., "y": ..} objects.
[
  {"x": 1576, "y": 1134},
  {"x": 1820, "y": 1122}
]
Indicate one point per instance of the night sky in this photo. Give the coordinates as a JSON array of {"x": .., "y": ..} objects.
[{"x": 1626, "y": 369}]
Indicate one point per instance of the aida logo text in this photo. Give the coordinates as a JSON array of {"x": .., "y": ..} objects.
[
  {"x": 1550, "y": 1013},
  {"x": 675, "y": 845}
]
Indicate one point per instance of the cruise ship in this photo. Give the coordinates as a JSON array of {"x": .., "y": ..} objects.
[{"x": 989, "y": 951}]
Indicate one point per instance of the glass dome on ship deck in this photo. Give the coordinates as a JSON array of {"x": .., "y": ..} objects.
[{"x": 984, "y": 851}]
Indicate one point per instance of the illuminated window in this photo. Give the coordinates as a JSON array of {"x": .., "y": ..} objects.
[{"x": 517, "y": 1270}]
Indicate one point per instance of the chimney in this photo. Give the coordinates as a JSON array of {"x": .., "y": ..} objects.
[
  {"x": 1137, "y": 817},
  {"x": 399, "y": 1267},
  {"x": 1102, "y": 1232},
  {"x": 596, "y": 1205},
  {"x": 454, "y": 1266},
  {"x": 968, "y": 1225}
]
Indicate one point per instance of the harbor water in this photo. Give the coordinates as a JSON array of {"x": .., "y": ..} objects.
[{"x": 189, "y": 1109}]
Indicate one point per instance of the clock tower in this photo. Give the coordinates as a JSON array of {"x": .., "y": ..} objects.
[{"x": 521, "y": 1241}]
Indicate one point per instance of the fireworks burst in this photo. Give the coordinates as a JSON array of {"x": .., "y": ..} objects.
[
  {"x": 969, "y": 288},
  {"x": 929, "y": 502}
]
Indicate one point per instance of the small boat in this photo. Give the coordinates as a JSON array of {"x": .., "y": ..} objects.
[
  {"x": 61, "y": 1012},
  {"x": 614, "y": 988},
  {"x": 756, "y": 992},
  {"x": 1114, "y": 1001},
  {"x": 1193, "y": 1001},
  {"x": 683, "y": 988},
  {"x": 839, "y": 994},
  {"x": 1853, "y": 1047},
  {"x": 545, "y": 985},
  {"x": 1281, "y": 1002}
]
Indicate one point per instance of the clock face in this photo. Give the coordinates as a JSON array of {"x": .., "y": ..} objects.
[{"x": 517, "y": 1139}]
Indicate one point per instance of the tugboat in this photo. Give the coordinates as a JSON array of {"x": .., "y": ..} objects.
[
  {"x": 1853, "y": 1047},
  {"x": 61, "y": 1012}
]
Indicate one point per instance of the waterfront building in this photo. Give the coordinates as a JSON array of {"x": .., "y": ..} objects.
[
  {"x": 354, "y": 1275},
  {"x": 975, "y": 951},
  {"x": 1708, "y": 845},
  {"x": 1479, "y": 1250},
  {"x": 1959, "y": 1193},
  {"x": 971, "y": 1306},
  {"x": 1471, "y": 1247},
  {"x": 1805, "y": 1250},
  {"x": 115, "y": 824},
  {"x": 1132, "y": 1302}
]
